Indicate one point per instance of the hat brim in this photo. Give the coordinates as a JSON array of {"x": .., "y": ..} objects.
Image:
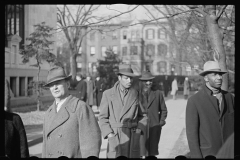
[
  {"x": 211, "y": 71},
  {"x": 127, "y": 74},
  {"x": 58, "y": 79},
  {"x": 145, "y": 79}
]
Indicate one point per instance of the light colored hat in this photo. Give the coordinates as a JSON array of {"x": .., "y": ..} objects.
[
  {"x": 56, "y": 74},
  {"x": 146, "y": 75},
  {"x": 211, "y": 66},
  {"x": 126, "y": 69}
]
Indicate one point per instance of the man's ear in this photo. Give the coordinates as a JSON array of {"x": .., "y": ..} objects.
[{"x": 205, "y": 78}]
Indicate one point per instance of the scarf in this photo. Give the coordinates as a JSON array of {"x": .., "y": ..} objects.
[{"x": 217, "y": 93}]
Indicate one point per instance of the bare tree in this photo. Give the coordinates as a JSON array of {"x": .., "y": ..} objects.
[{"x": 76, "y": 22}]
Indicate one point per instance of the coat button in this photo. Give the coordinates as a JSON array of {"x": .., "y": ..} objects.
[
  {"x": 50, "y": 154},
  {"x": 49, "y": 137},
  {"x": 60, "y": 135}
]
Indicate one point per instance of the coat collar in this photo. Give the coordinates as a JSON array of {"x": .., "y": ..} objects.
[
  {"x": 131, "y": 98},
  {"x": 214, "y": 100},
  {"x": 55, "y": 119}
]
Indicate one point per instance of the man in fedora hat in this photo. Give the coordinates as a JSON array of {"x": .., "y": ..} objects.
[
  {"x": 153, "y": 105},
  {"x": 70, "y": 128},
  {"x": 209, "y": 114},
  {"x": 120, "y": 115}
]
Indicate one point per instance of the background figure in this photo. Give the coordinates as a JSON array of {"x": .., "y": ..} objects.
[
  {"x": 153, "y": 105},
  {"x": 90, "y": 90},
  {"x": 166, "y": 85},
  {"x": 100, "y": 87},
  {"x": 161, "y": 88},
  {"x": 186, "y": 88},
  {"x": 7, "y": 106},
  {"x": 81, "y": 88},
  {"x": 16, "y": 145},
  {"x": 174, "y": 88},
  {"x": 70, "y": 127},
  {"x": 209, "y": 114}
]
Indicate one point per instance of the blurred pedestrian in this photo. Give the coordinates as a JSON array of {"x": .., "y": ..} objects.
[
  {"x": 7, "y": 106},
  {"x": 90, "y": 90},
  {"x": 81, "y": 88},
  {"x": 209, "y": 114},
  {"x": 120, "y": 115},
  {"x": 100, "y": 88},
  {"x": 16, "y": 145},
  {"x": 70, "y": 128},
  {"x": 153, "y": 105},
  {"x": 174, "y": 88},
  {"x": 186, "y": 88},
  {"x": 166, "y": 85}
]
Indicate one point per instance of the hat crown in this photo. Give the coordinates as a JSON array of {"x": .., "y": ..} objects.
[
  {"x": 211, "y": 65},
  {"x": 146, "y": 75},
  {"x": 125, "y": 69},
  {"x": 56, "y": 73}
]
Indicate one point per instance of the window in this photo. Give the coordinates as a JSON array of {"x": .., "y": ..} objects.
[
  {"x": 124, "y": 34},
  {"x": 92, "y": 49},
  {"x": 137, "y": 34},
  {"x": 14, "y": 22},
  {"x": 92, "y": 36},
  {"x": 133, "y": 34},
  {"x": 29, "y": 90},
  {"x": 162, "y": 49},
  {"x": 114, "y": 35},
  {"x": 103, "y": 35},
  {"x": 162, "y": 67},
  {"x": 115, "y": 49},
  {"x": 78, "y": 58},
  {"x": 161, "y": 34},
  {"x": 150, "y": 49},
  {"x": 94, "y": 67},
  {"x": 79, "y": 65},
  {"x": 150, "y": 34},
  {"x": 104, "y": 51},
  {"x": 124, "y": 51},
  {"x": 80, "y": 50},
  {"x": 21, "y": 86},
  {"x": 89, "y": 65},
  {"x": 134, "y": 50}
]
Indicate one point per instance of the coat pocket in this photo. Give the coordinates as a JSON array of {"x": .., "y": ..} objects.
[
  {"x": 135, "y": 140},
  {"x": 112, "y": 141}
]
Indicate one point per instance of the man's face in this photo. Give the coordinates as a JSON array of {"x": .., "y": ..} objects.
[
  {"x": 97, "y": 78},
  {"x": 125, "y": 81},
  {"x": 88, "y": 78},
  {"x": 78, "y": 78},
  {"x": 59, "y": 89},
  {"x": 147, "y": 84},
  {"x": 214, "y": 79}
]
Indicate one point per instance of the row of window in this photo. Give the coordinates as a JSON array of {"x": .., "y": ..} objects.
[
  {"x": 103, "y": 35},
  {"x": 150, "y": 34},
  {"x": 93, "y": 50},
  {"x": 150, "y": 50}
]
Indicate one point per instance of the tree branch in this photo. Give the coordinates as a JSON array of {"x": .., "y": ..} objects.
[{"x": 221, "y": 12}]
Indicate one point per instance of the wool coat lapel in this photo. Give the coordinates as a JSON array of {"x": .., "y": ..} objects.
[
  {"x": 57, "y": 118},
  {"x": 212, "y": 99},
  {"x": 131, "y": 98},
  {"x": 151, "y": 97},
  {"x": 117, "y": 103}
]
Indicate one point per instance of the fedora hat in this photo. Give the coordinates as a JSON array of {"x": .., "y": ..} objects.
[
  {"x": 146, "y": 75},
  {"x": 126, "y": 69},
  {"x": 56, "y": 74},
  {"x": 211, "y": 66}
]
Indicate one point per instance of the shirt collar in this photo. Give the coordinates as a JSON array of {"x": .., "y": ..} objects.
[{"x": 209, "y": 90}]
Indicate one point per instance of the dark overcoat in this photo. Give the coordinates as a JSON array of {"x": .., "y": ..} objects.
[
  {"x": 100, "y": 88},
  {"x": 16, "y": 145},
  {"x": 207, "y": 128},
  {"x": 73, "y": 131},
  {"x": 156, "y": 111},
  {"x": 82, "y": 90},
  {"x": 121, "y": 119},
  {"x": 90, "y": 91}
]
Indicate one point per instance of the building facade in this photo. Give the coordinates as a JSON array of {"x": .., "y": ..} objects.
[{"x": 19, "y": 21}]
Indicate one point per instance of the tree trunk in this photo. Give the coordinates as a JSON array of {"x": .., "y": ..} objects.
[
  {"x": 216, "y": 40},
  {"x": 73, "y": 63},
  {"x": 38, "y": 90}
]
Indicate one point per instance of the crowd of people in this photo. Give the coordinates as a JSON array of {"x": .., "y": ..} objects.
[{"x": 131, "y": 119}]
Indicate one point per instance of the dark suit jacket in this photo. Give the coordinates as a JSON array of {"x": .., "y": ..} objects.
[
  {"x": 100, "y": 87},
  {"x": 16, "y": 145},
  {"x": 73, "y": 131},
  {"x": 206, "y": 128},
  {"x": 156, "y": 112},
  {"x": 82, "y": 90}
]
